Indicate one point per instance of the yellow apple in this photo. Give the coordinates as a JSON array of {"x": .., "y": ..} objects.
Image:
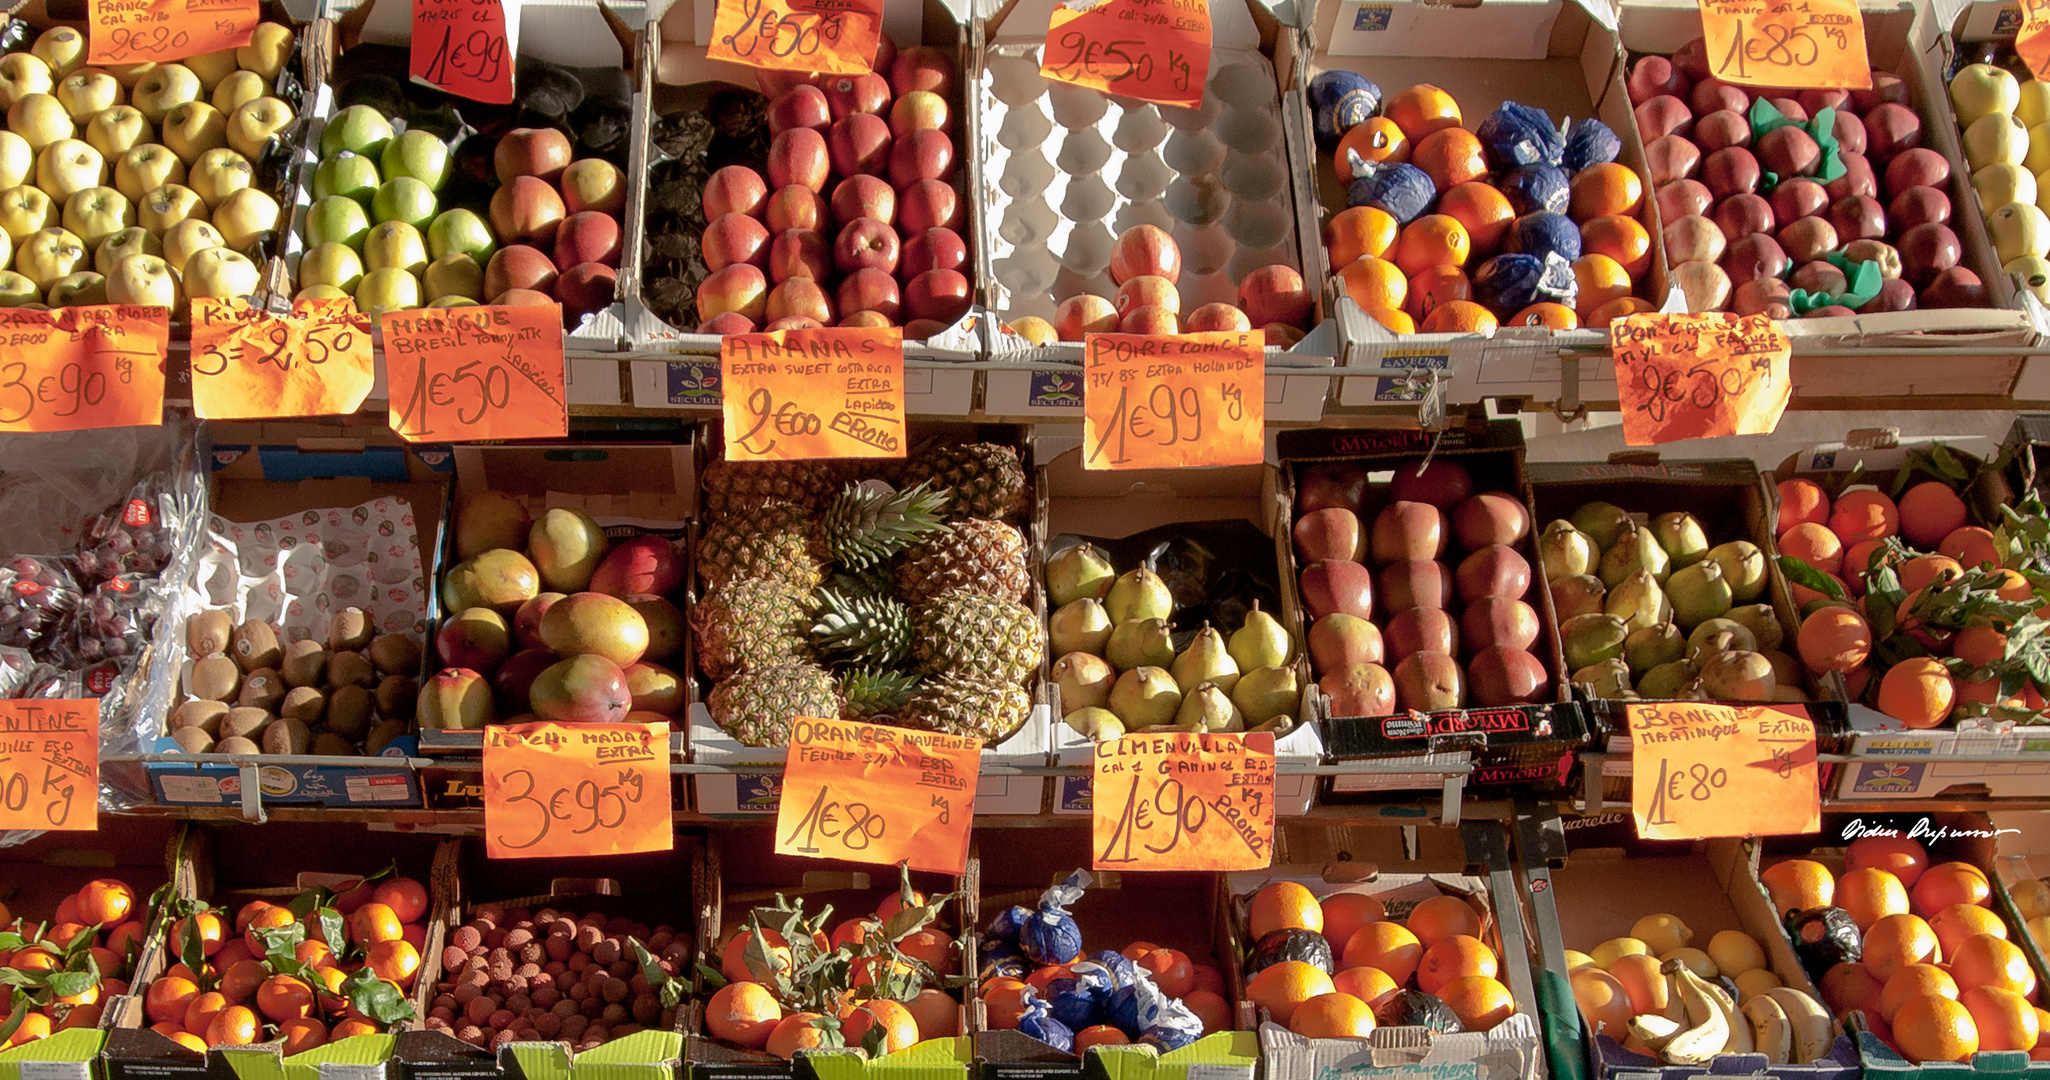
[
  {"x": 194, "y": 128},
  {"x": 323, "y": 292},
  {"x": 220, "y": 273},
  {"x": 218, "y": 174},
  {"x": 237, "y": 88},
  {"x": 164, "y": 89},
  {"x": 455, "y": 274},
  {"x": 387, "y": 289},
  {"x": 189, "y": 238},
  {"x": 270, "y": 45},
  {"x": 69, "y": 165},
  {"x": 246, "y": 215},
  {"x": 252, "y": 125},
  {"x": 21, "y": 75},
  {"x": 332, "y": 263},
  {"x": 143, "y": 279},
  {"x": 96, "y": 213},
  {"x": 48, "y": 254},
  {"x": 17, "y": 161},
  {"x": 40, "y": 119},
  {"x": 134, "y": 240},
  {"x": 24, "y": 209},
  {"x": 128, "y": 75},
  {"x": 145, "y": 169},
  {"x": 17, "y": 291},
  {"x": 167, "y": 206},
  {"x": 80, "y": 289},
  {"x": 395, "y": 245},
  {"x": 87, "y": 91},
  {"x": 60, "y": 47},
  {"x": 115, "y": 131},
  {"x": 212, "y": 67}
]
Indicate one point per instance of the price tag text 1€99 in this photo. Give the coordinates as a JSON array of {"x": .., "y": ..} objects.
[{"x": 1173, "y": 401}]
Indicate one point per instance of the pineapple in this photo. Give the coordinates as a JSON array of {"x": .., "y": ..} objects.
[
  {"x": 875, "y": 695},
  {"x": 863, "y": 630},
  {"x": 866, "y": 524},
  {"x": 757, "y": 705},
  {"x": 968, "y": 633},
  {"x": 747, "y": 485},
  {"x": 774, "y": 540},
  {"x": 965, "y": 705},
  {"x": 979, "y": 554},
  {"x": 986, "y": 480},
  {"x": 748, "y": 622}
]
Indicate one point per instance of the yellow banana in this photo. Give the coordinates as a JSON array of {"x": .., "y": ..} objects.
[
  {"x": 1709, "y": 1032},
  {"x": 1771, "y": 1033},
  {"x": 1653, "y": 1030},
  {"x": 1814, "y": 1032},
  {"x": 1675, "y": 1009}
]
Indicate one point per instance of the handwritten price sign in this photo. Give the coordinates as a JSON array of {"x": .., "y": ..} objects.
[
  {"x": 876, "y": 794},
  {"x": 576, "y": 789},
  {"x": 250, "y": 364},
  {"x": 1184, "y": 802},
  {"x": 140, "y": 31},
  {"x": 82, "y": 367},
  {"x": 1148, "y": 49},
  {"x": 795, "y": 394},
  {"x": 837, "y": 37},
  {"x": 461, "y": 47},
  {"x": 1700, "y": 770},
  {"x": 2032, "y": 43},
  {"x": 1699, "y": 376},
  {"x": 460, "y": 374},
  {"x": 1787, "y": 43},
  {"x": 50, "y": 765},
  {"x": 1173, "y": 401}
]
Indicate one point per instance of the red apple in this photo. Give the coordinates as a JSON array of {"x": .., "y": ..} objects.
[
  {"x": 866, "y": 244},
  {"x": 799, "y": 253},
  {"x": 865, "y": 318},
  {"x": 542, "y": 152},
  {"x": 798, "y": 156},
  {"x": 592, "y": 237},
  {"x": 733, "y": 238},
  {"x": 795, "y": 322},
  {"x": 775, "y": 83},
  {"x": 933, "y": 249},
  {"x": 729, "y": 322},
  {"x": 1145, "y": 249},
  {"x": 859, "y": 143},
  {"x": 1087, "y": 313},
  {"x": 922, "y": 67},
  {"x": 797, "y": 207},
  {"x": 921, "y": 155},
  {"x": 587, "y": 287},
  {"x": 735, "y": 189},
  {"x": 518, "y": 266},
  {"x": 526, "y": 210},
  {"x": 928, "y": 204},
  {"x": 739, "y": 287},
  {"x": 918, "y": 109},
  {"x": 940, "y": 295},
  {"x": 886, "y": 54},
  {"x": 1149, "y": 319},
  {"x": 864, "y": 93},
  {"x": 864, "y": 196},
  {"x": 524, "y": 298},
  {"x": 799, "y": 107},
  {"x": 1148, "y": 289},
  {"x": 1281, "y": 335},
  {"x": 1275, "y": 294},
  {"x": 920, "y": 329},
  {"x": 1216, "y": 317},
  {"x": 801, "y": 297},
  {"x": 869, "y": 289}
]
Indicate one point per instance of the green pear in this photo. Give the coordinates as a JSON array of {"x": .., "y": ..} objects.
[
  {"x": 1648, "y": 647},
  {"x": 1581, "y": 594},
  {"x": 1638, "y": 601},
  {"x": 1138, "y": 594},
  {"x": 1670, "y": 681},
  {"x": 1763, "y": 622},
  {"x": 1743, "y": 567},
  {"x": 1607, "y": 679},
  {"x": 1634, "y": 549},
  {"x": 1566, "y": 551},
  {"x": 1145, "y": 696},
  {"x": 1138, "y": 643},
  {"x": 1096, "y": 723},
  {"x": 1602, "y": 522},
  {"x": 1261, "y": 642},
  {"x": 1267, "y": 693},
  {"x": 1681, "y": 534},
  {"x": 1076, "y": 571},
  {"x": 1079, "y": 626},
  {"x": 1715, "y": 635},
  {"x": 1206, "y": 659},
  {"x": 1591, "y": 639},
  {"x": 1737, "y": 675},
  {"x": 1084, "y": 679},
  {"x": 1208, "y": 707},
  {"x": 1699, "y": 594}
]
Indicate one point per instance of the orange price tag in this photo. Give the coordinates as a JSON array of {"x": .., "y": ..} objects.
[
  {"x": 1803, "y": 44},
  {"x": 1144, "y": 49},
  {"x": 2032, "y": 43},
  {"x": 1184, "y": 802},
  {"x": 462, "y": 374},
  {"x": 460, "y": 46},
  {"x": 576, "y": 789},
  {"x": 837, "y": 37},
  {"x": 1174, "y": 401},
  {"x": 250, "y": 364},
  {"x": 140, "y": 31},
  {"x": 1699, "y": 376},
  {"x": 50, "y": 764},
  {"x": 82, "y": 367},
  {"x": 877, "y": 794},
  {"x": 795, "y": 394},
  {"x": 1700, "y": 770}
]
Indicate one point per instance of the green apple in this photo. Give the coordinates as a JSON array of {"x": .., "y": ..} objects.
[
  {"x": 387, "y": 289},
  {"x": 359, "y": 129},
  {"x": 246, "y": 215},
  {"x": 2018, "y": 229},
  {"x": 48, "y": 254},
  {"x": 143, "y": 279},
  {"x": 336, "y": 219},
  {"x": 403, "y": 198},
  {"x": 322, "y": 292},
  {"x": 332, "y": 264},
  {"x": 461, "y": 231},
  {"x": 348, "y": 174},
  {"x": 451, "y": 301},
  {"x": 419, "y": 155},
  {"x": 395, "y": 245},
  {"x": 81, "y": 289},
  {"x": 1981, "y": 90},
  {"x": 167, "y": 206},
  {"x": 455, "y": 275},
  {"x": 186, "y": 239}
]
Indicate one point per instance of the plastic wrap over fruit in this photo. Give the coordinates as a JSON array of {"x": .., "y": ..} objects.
[
  {"x": 1122, "y": 969},
  {"x": 1291, "y": 943},
  {"x": 1507, "y": 284},
  {"x": 136, "y": 536},
  {"x": 1396, "y": 188},
  {"x": 1823, "y": 938},
  {"x": 1000, "y": 960},
  {"x": 1050, "y": 935},
  {"x": 1339, "y": 101},
  {"x": 1543, "y": 233},
  {"x": 112, "y": 624},
  {"x": 1004, "y": 928},
  {"x": 1531, "y": 188},
  {"x": 1589, "y": 142},
  {"x": 36, "y": 592},
  {"x": 1411, "y": 1008},
  {"x": 1517, "y": 134},
  {"x": 15, "y": 665},
  {"x": 1140, "y": 1007},
  {"x": 1038, "y": 1022}
]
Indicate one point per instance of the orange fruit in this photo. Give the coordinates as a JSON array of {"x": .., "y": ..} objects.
[
  {"x": 937, "y": 1015},
  {"x": 2005, "y": 1019},
  {"x": 1283, "y": 905},
  {"x": 1483, "y": 209},
  {"x": 2010, "y": 585},
  {"x": 209, "y": 933},
  {"x": 1857, "y": 562},
  {"x": 1434, "y": 285},
  {"x": 350, "y": 1028},
  {"x": 1801, "y": 501},
  {"x": 894, "y": 903},
  {"x": 1450, "y": 156},
  {"x": 241, "y": 980},
  {"x": 84, "y": 1016},
  {"x": 1452, "y": 957},
  {"x": 394, "y": 962},
  {"x": 1918, "y": 692},
  {"x": 34, "y": 958},
  {"x": 1870, "y": 895},
  {"x": 1374, "y": 283},
  {"x": 733, "y": 962},
  {"x": 374, "y": 922},
  {"x": 1972, "y": 546},
  {"x": 1432, "y": 240},
  {"x": 169, "y": 998},
  {"x": 1211, "y": 1008},
  {"x": 1960, "y": 921},
  {"x": 1137, "y": 949},
  {"x": 33, "y": 1026},
  {"x": 1619, "y": 308},
  {"x": 1815, "y": 545},
  {"x": 405, "y": 897},
  {"x": 900, "y": 1028},
  {"x": 249, "y": 911},
  {"x": 1100, "y": 1035},
  {"x": 302, "y": 1034},
  {"x": 1421, "y": 109},
  {"x": 1600, "y": 280},
  {"x": 1912, "y": 982},
  {"x": 1921, "y": 571},
  {"x": 105, "y": 902},
  {"x": 1603, "y": 189},
  {"x": 1896, "y": 941},
  {"x": 1386, "y": 946},
  {"x": 1546, "y": 314},
  {"x": 282, "y": 997},
  {"x": 851, "y": 931},
  {"x": 1357, "y": 231},
  {"x": 127, "y": 938},
  {"x": 1949, "y": 883},
  {"x": 1986, "y": 960},
  {"x": 232, "y": 1026},
  {"x": 1935, "y": 1029},
  {"x": 352, "y": 895},
  {"x": 67, "y": 910},
  {"x": 1440, "y": 917},
  {"x": 743, "y": 1013},
  {"x": 1048, "y": 973},
  {"x": 1374, "y": 139},
  {"x": 1345, "y": 913},
  {"x": 1979, "y": 645},
  {"x": 1371, "y": 985},
  {"x": 1864, "y": 514},
  {"x": 866, "y": 971},
  {"x": 1479, "y": 1001},
  {"x": 1171, "y": 971},
  {"x": 1395, "y": 320},
  {"x": 1209, "y": 978},
  {"x": 1281, "y": 988},
  {"x": 269, "y": 918},
  {"x": 1849, "y": 986},
  {"x": 1930, "y": 511},
  {"x": 1336, "y": 1015},
  {"x": 932, "y": 947},
  {"x": 1834, "y": 639},
  {"x": 798, "y": 1031},
  {"x": 1620, "y": 237},
  {"x": 1459, "y": 317},
  {"x": 1649, "y": 989},
  {"x": 203, "y": 1009},
  {"x": 1004, "y": 1000},
  {"x": 1987, "y": 692},
  {"x": 1902, "y": 856},
  {"x": 313, "y": 952}
]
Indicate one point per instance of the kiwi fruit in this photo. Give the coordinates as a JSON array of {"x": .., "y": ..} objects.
[
  {"x": 262, "y": 689},
  {"x": 348, "y": 711},
  {"x": 305, "y": 704},
  {"x": 255, "y": 645},
  {"x": 287, "y": 736},
  {"x": 236, "y": 744},
  {"x": 395, "y": 654},
  {"x": 205, "y": 715},
  {"x": 329, "y": 744},
  {"x": 193, "y": 740},
  {"x": 382, "y": 735},
  {"x": 215, "y": 678},
  {"x": 208, "y": 633},
  {"x": 350, "y": 629},
  {"x": 305, "y": 664},
  {"x": 242, "y": 723},
  {"x": 350, "y": 669},
  {"x": 398, "y": 697}
]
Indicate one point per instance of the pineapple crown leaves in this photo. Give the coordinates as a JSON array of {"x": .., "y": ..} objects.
[
  {"x": 866, "y": 524},
  {"x": 874, "y": 629}
]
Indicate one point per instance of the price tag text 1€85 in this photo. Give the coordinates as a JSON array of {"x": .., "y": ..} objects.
[{"x": 1797, "y": 44}]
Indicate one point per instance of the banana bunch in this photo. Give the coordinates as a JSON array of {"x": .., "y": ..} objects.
[{"x": 1701, "y": 1020}]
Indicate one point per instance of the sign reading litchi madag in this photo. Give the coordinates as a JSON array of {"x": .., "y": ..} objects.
[
  {"x": 878, "y": 794},
  {"x": 1699, "y": 376},
  {"x": 834, "y": 37},
  {"x": 1145, "y": 49},
  {"x": 253, "y": 364},
  {"x": 144, "y": 31},
  {"x": 790, "y": 395},
  {"x": 463, "y": 374},
  {"x": 1173, "y": 400},
  {"x": 1796, "y": 44},
  {"x": 82, "y": 367},
  {"x": 1183, "y": 801},
  {"x": 463, "y": 47},
  {"x": 50, "y": 765},
  {"x": 1699, "y": 770},
  {"x": 576, "y": 789}
]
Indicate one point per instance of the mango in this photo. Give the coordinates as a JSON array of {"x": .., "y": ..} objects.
[
  {"x": 500, "y": 579},
  {"x": 566, "y": 546},
  {"x": 487, "y": 520}
]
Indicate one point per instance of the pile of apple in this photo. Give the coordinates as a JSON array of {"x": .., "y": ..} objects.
[
  {"x": 1740, "y": 243},
  {"x": 136, "y": 184},
  {"x": 1145, "y": 264},
  {"x": 858, "y": 222},
  {"x": 377, "y": 231},
  {"x": 2007, "y": 144}
]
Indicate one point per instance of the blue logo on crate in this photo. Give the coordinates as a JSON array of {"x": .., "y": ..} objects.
[
  {"x": 1055, "y": 390},
  {"x": 2008, "y": 22},
  {"x": 1372, "y": 17},
  {"x": 1398, "y": 390},
  {"x": 693, "y": 383},
  {"x": 1887, "y": 777},
  {"x": 759, "y": 792},
  {"x": 1075, "y": 795}
]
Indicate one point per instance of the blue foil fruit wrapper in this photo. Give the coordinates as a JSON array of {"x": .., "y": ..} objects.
[{"x": 1050, "y": 934}]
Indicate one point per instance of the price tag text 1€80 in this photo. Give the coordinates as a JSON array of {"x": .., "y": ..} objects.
[{"x": 1699, "y": 770}]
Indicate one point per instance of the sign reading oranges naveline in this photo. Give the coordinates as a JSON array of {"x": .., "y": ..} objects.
[{"x": 878, "y": 794}]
